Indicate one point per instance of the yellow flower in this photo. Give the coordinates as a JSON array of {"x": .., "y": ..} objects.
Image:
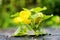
[
  {"x": 17, "y": 20},
  {"x": 23, "y": 17},
  {"x": 25, "y": 14},
  {"x": 27, "y": 21}
]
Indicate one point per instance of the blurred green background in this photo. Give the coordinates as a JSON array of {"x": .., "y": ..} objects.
[{"x": 10, "y": 7}]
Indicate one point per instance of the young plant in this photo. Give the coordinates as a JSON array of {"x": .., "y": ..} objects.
[{"x": 28, "y": 20}]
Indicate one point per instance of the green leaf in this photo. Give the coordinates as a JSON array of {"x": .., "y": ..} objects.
[
  {"x": 15, "y": 15},
  {"x": 46, "y": 17},
  {"x": 34, "y": 16},
  {"x": 25, "y": 9},
  {"x": 38, "y": 9}
]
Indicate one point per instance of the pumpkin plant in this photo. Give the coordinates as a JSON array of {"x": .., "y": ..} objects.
[{"x": 28, "y": 20}]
